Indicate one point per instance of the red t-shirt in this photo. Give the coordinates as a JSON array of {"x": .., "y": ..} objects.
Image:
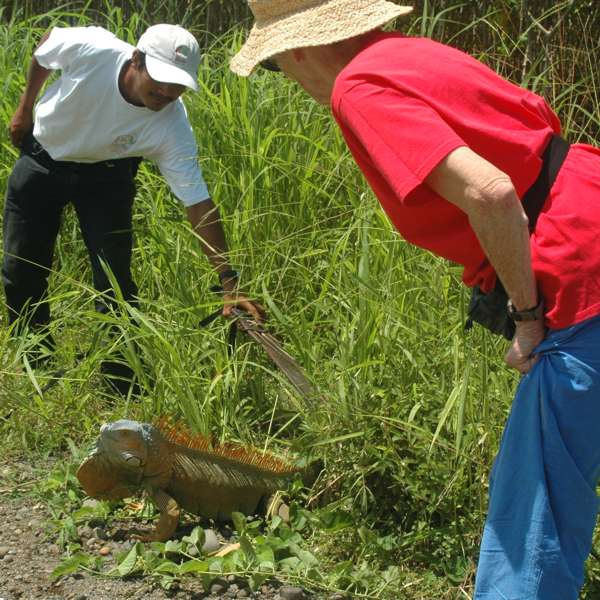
[{"x": 404, "y": 104}]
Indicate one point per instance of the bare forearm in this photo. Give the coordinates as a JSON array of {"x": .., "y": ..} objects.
[
  {"x": 501, "y": 227},
  {"x": 489, "y": 199},
  {"x": 206, "y": 223}
]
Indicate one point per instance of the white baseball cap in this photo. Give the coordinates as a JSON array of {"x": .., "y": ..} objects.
[{"x": 172, "y": 54}]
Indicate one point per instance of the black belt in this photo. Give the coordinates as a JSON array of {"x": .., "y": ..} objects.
[
  {"x": 117, "y": 168},
  {"x": 489, "y": 309}
]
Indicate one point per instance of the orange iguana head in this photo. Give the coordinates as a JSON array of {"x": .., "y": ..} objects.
[{"x": 115, "y": 467}]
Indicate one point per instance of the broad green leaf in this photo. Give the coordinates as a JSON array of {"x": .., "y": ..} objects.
[
  {"x": 193, "y": 566},
  {"x": 172, "y": 546},
  {"x": 71, "y": 565},
  {"x": 247, "y": 548},
  {"x": 196, "y": 538},
  {"x": 128, "y": 565},
  {"x": 167, "y": 566}
]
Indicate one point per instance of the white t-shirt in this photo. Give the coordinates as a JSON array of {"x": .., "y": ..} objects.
[{"x": 83, "y": 117}]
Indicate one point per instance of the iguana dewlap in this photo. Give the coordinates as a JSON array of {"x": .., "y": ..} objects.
[{"x": 178, "y": 471}]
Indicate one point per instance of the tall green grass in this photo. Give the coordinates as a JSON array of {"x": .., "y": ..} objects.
[{"x": 410, "y": 406}]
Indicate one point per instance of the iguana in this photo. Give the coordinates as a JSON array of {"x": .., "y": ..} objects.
[{"x": 178, "y": 470}]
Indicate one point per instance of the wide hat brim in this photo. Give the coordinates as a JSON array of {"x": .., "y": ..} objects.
[
  {"x": 168, "y": 73},
  {"x": 325, "y": 23}
]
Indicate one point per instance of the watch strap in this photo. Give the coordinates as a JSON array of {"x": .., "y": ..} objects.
[{"x": 528, "y": 314}]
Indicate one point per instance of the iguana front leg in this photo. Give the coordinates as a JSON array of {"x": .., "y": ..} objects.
[{"x": 168, "y": 520}]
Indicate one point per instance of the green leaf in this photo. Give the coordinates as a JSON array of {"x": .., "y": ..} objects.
[
  {"x": 239, "y": 522},
  {"x": 127, "y": 566},
  {"x": 256, "y": 580},
  {"x": 71, "y": 565},
  {"x": 289, "y": 564},
  {"x": 308, "y": 560},
  {"x": 247, "y": 548},
  {"x": 265, "y": 554},
  {"x": 193, "y": 566},
  {"x": 167, "y": 566},
  {"x": 172, "y": 546},
  {"x": 216, "y": 565},
  {"x": 196, "y": 538}
]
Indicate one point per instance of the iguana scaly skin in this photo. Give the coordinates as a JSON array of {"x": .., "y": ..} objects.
[{"x": 179, "y": 471}]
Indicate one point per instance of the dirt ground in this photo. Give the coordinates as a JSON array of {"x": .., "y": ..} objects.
[{"x": 29, "y": 553}]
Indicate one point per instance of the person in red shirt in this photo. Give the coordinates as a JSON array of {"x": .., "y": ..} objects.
[{"x": 458, "y": 158}]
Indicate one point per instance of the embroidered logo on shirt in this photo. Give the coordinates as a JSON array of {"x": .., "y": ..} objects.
[{"x": 124, "y": 141}]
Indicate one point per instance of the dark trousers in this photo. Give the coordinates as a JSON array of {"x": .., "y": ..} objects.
[{"x": 38, "y": 190}]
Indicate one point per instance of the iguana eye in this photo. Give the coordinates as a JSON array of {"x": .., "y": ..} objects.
[{"x": 134, "y": 461}]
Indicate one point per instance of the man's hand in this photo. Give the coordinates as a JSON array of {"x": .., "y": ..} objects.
[
  {"x": 20, "y": 125},
  {"x": 233, "y": 300},
  {"x": 528, "y": 335}
]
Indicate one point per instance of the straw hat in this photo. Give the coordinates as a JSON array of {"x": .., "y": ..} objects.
[{"x": 287, "y": 24}]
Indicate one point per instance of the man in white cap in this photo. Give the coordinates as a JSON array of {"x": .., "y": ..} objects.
[
  {"x": 112, "y": 105},
  {"x": 473, "y": 168}
]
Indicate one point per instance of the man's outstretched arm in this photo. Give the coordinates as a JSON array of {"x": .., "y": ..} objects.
[{"x": 206, "y": 222}]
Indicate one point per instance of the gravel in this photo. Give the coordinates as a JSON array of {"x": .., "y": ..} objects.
[{"x": 29, "y": 554}]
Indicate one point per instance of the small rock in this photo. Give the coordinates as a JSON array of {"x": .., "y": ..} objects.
[
  {"x": 85, "y": 532},
  {"x": 91, "y": 542},
  {"x": 90, "y": 503},
  {"x": 53, "y": 549},
  {"x": 338, "y": 596},
  {"x": 231, "y": 578},
  {"x": 287, "y": 592},
  {"x": 104, "y": 551},
  {"x": 284, "y": 512},
  {"x": 219, "y": 586},
  {"x": 243, "y": 593},
  {"x": 4, "y": 550},
  {"x": 8, "y": 558},
  {"x": 211, "y": 542}
]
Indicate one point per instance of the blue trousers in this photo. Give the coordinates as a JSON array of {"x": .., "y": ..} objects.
[{"x": 543, "y": 503}]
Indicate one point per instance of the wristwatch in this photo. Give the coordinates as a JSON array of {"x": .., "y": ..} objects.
[
  {"x": 231, "y": 274},
  {"x": 528, "y": 314}
]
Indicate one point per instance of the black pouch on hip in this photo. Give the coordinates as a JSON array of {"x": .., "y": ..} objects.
[{"x": 490, "y": 311}]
